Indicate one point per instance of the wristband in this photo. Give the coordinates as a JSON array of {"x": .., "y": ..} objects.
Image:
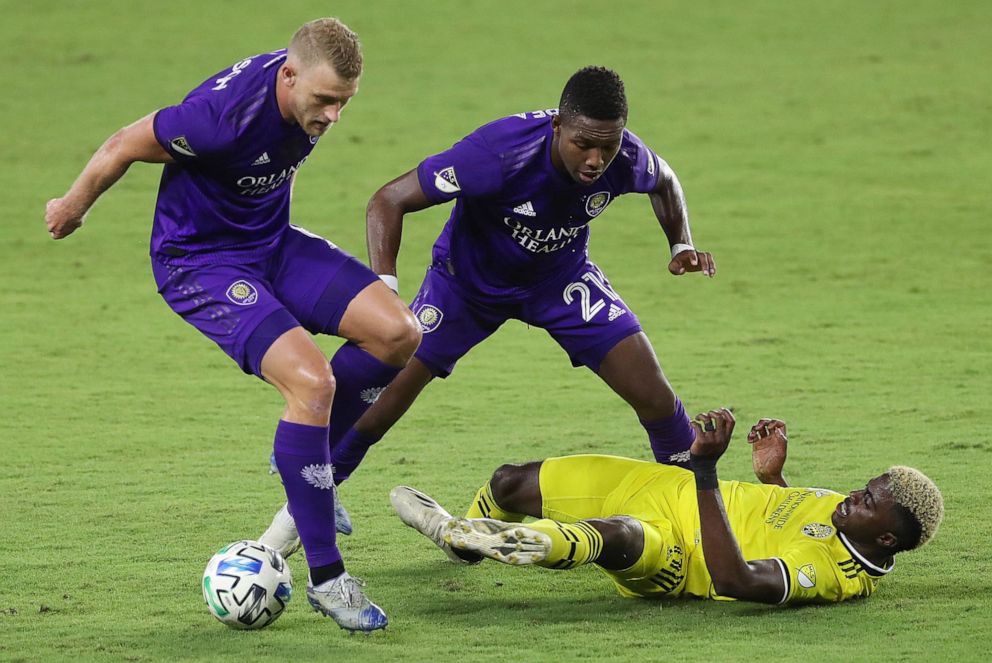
[
  {"x": 391, "y": 281},
  {"x": 705, "y": 470},
  {"x": 679, "y": 248}
]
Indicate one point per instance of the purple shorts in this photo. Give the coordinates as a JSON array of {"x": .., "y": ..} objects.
[
  {"x": 244, "y": 308},
  {"x": 581, "y": 312}
]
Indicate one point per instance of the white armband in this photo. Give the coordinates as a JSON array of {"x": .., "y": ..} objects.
[
  {"x": 679, "y": 248},
  {"x": 391, "y": 281}
]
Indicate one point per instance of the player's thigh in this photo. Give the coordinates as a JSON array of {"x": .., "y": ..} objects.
[
  {"x": 452, "y": 322},
  {"x": 232, "y": 305},
  {"x": 316, "y": 280},
  {"x": 584, "y": 315},
  {"x": 577, "y": 487}
]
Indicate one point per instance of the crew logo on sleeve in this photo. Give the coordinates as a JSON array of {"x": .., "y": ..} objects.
[
  {"x": 429, "y": 318},
  {"x": 242, "y": 293},
  {"x": 446, "y": 181},
  {"x": 597, "y": 202},
  {"x": 181, "y": 145},
  {"x": 806, "y": 575}
]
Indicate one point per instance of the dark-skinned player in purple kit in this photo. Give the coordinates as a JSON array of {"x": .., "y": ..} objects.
[
  {"x": 526, "y": 188},
  {"x": 226, "y": 259}
]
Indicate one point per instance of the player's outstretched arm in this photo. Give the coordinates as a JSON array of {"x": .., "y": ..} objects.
[
  {"x": 733, "y": 576},
  {"x": 384, "y": 219},
  {"x": 769, "y": 441},
  {"x": 668, "y": 202},
  {"x": 135, "y": 142}
]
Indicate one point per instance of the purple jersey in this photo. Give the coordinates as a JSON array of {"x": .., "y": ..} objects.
[
  {"x": 226, "y": 198},
  {"x": 519, "y": 221}
]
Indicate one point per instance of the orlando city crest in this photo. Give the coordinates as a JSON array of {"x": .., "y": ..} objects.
[
  {"x": 597, "y": 202},
  {"x": 242, "y": 293},
  {"x": 429, "y": 318}
]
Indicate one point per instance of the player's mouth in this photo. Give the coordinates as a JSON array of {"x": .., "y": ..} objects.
[
  {"x": 843, "y": 509},
  {"x": 589, "y": 176}
]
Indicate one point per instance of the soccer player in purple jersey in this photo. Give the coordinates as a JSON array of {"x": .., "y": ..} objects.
[
  {"x": 226, "y": 259},
  {"x": 526, "y": 188}
]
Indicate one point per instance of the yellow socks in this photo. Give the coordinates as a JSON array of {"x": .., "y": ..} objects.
[
  {"x": 484, "y": 506},
  {"x": 572, "y": 544}
]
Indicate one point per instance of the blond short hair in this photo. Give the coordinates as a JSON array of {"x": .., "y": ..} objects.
[
  {"x": 328, "y": 40},
  {"x": 919, "y": 495}
]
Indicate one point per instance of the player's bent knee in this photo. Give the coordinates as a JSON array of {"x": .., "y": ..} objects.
[
  {"x": 517, "y": 487},
  {"x": 404, "y": 336},
  {"x": 311, "y": 387}
]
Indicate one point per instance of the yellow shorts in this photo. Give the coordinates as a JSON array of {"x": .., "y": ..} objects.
[{"x": 588, "y": 486}]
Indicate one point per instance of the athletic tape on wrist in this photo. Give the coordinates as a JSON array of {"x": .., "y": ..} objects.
[
  {"x": 704, "y": 469},
  {"x": 679, "y": 248},
  {"x": 391, "y": 281}
]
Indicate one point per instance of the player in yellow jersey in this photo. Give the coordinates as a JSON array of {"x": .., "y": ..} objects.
[{"x": 660, "y": 531}]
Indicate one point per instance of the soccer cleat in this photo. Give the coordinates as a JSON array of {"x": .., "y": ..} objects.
[
  {"x": 424, "y": 514},
  {"x": 343, "y": 600},
  {"x": 282, "y": 534},
  {"x": 510, "y": 543},
  {"x": 342, "y": 521}
]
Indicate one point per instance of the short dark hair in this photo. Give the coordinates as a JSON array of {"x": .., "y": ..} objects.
[
  {"x": 596, "y": 93},
  {"x": 910, "y": 530}
]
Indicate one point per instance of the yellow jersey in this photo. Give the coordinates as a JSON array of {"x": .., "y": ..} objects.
[{"x": 790, "y": 525}]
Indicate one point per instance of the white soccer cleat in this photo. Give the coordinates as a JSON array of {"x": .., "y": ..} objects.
[
  {"x": 343, "y": 600},
  {"x": 282, "y": 534},
  {"x": 509, "y": 543},
  {"x": 422, "y": 512}
]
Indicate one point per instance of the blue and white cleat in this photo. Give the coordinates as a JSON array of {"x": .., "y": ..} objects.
[
  {"x": 343, "y": 600},
  {"x": 342, "y": 521}
]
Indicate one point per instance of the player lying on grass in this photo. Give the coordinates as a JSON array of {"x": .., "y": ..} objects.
[{"x": 661, "y": 531}]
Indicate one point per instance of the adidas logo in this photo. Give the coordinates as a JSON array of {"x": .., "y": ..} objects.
[
  {"x": 262, "y": 160},
  {"x": 615, "y": 312},
  {"x": 526, "y": 209}
]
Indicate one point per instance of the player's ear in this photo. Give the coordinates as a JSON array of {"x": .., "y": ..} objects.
[
  {"x": 288, "y": 74},
  {"x": 555, "y": 123},
  {"x": 888, "y": 541}
]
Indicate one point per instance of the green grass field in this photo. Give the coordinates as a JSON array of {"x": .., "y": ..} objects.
[{"x": 834, "y": 157}]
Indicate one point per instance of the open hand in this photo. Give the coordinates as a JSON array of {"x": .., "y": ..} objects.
[{"x": 769, "y": 442}]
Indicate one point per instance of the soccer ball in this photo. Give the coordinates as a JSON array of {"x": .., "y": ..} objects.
[{"x": 247, "y": 585}]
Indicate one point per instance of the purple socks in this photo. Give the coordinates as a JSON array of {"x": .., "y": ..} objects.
[
  {"x": 304, "y": 464},
  {"x": 349, "y": 452},
  {"x": 671, "y": 437},
  {"x": 360, "y": 379}
]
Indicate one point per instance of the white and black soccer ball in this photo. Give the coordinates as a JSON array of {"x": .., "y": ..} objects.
[{"x": 247, "y": 585}]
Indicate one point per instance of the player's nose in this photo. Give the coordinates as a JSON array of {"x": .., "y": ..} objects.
[
  {"x": 332, "y": 112},
  {"x": 594, "y": 159}
]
